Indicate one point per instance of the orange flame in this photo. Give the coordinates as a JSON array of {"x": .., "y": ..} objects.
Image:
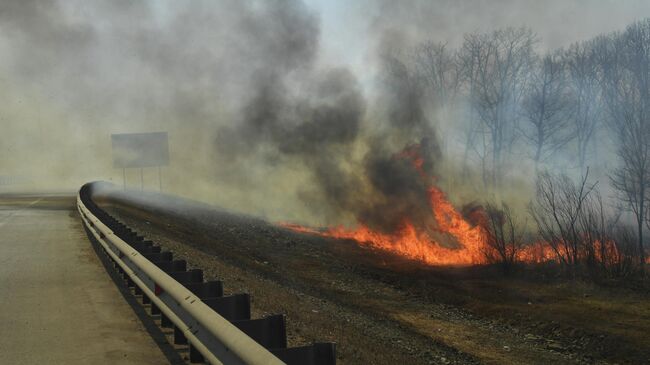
[
  {"x": 413, "y": 243},
  {"x": 409, "y": 242},
  {"x": 536, "y": 253}
]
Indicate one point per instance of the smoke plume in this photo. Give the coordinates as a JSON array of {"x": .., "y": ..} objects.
[{"x": 292, "y": 110}]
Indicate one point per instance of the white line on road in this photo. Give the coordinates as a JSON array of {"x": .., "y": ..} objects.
[{"x": 6, "y": 219}]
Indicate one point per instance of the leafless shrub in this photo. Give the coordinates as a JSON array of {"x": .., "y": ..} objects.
[
  {"x": 558, "y": 207},
  {"x": 571, "y": 218},
  {"x": 625, "y": 261},
  {"x": 504, "y": 236}
]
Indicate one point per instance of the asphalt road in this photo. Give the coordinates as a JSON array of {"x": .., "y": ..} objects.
[{"x": 57, "y": 303}]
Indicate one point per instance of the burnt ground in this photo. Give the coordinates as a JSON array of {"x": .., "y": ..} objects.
[{"x": 381, "y": 309}]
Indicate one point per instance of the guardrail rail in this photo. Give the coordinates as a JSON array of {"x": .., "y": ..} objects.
[{"x": 218, "y": 329}]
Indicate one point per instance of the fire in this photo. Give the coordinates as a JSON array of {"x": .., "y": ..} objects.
[
  {"x": 469, "y": 239},
  {"x": 411, "y": 243},
  {"x": 416, "y": 244},
  {"x": 537, "y": 253},
  {"x": 413, "y": 153}
]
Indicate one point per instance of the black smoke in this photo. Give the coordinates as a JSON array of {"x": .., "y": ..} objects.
[
  {"x": 240, "y": 86},
  {"x": 299, "y": 112}
]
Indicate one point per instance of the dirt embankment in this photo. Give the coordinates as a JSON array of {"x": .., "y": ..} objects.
[{"x": 381, "y": 309}]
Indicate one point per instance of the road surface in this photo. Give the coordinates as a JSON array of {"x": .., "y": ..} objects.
[{"x": 58, "y": 305}]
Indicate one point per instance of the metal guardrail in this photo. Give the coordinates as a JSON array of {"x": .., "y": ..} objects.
[{"x": 212, "y": 338}]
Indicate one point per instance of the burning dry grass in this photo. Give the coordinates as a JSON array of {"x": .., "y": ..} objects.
[
  {"x": 466, "y": 240},
  {"x": 481, "y": 235}
]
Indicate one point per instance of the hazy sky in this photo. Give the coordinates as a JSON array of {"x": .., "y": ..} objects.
[{"x": 348, "y": 26}]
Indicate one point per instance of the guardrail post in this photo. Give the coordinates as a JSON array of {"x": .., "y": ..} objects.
[
  {"x": 165, "y": 322},
  {"x": 195, "y": 355},
  {"x": 269, "y": 332},
  {"x": 179, "y": 337}
]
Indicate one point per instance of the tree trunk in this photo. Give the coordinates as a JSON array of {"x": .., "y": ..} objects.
[
  {"x": 538, "y": 156},
  {"x": 640, "y": 218}
]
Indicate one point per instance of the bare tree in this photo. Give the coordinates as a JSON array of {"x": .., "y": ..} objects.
[
  {"x": 583, "y": 82},
  {"x": 625, "y": 68},
  {"x": 436, "y": 66},
  {"x": 546, "y": 107},
  {"x": 467, "y": 61},
  {"x": 498, "y": 66}
]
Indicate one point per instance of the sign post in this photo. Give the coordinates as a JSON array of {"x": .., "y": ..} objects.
[{"x": 140, "y": 150}]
